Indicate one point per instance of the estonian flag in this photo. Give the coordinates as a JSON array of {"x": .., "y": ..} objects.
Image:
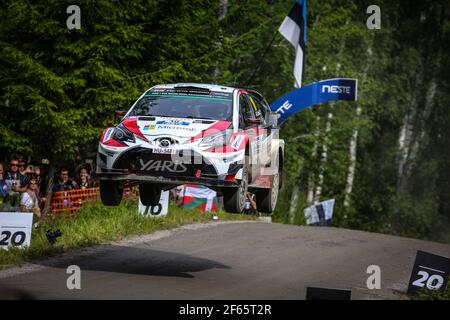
[{"x": 293, "y": 29}]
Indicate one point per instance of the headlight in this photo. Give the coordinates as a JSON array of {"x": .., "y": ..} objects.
[
  {"x": 121, "y": 133},
  {"x": 216, "y": 140}
]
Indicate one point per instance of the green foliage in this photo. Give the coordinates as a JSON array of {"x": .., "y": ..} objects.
[
  {"x": 405, "y": 58},
  {"x": 59, "y": 88},
  {"x": 425, "y": 294}
]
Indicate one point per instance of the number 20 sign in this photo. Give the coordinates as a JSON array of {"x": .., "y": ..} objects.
[
  {"x": 430, "y": 272},
  {"x": 15, "y": 229}
]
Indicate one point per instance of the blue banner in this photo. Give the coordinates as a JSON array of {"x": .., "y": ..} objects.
[{"x": 314, "y": 93}]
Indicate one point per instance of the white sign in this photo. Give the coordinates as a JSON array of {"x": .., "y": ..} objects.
[
  {"x": 156, "y": 211},
  {"x": 15, "y": 229},
  {"x": 312, "y": 213}
]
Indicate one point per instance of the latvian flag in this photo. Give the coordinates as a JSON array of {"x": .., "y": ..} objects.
[{"x": 293, "y": 29}]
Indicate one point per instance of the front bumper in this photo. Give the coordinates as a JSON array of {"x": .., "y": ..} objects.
[
  {"x": 141, "y": 164},
  {"x": 136, "y": 177}
]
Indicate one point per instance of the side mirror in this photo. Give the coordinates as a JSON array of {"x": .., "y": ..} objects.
[
  {"x": 118, "y": 114},
  {"x": 272, "y": 119}
]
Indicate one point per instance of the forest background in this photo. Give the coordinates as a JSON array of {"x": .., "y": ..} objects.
[{"x": 385, "y": 158}]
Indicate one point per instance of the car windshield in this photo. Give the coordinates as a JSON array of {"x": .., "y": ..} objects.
[{"x": 216, "y": 106}]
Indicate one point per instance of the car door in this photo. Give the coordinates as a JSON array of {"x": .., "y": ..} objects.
[
  {"x": 249, "y": 123},
  {"x": 264, "y": 132}
]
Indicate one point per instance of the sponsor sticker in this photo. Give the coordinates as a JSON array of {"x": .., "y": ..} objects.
[
  {"x": 174, "y": 122},
  {"x": 172, "y": 127},
  {"x": 149, "y": 127},
  {"x": 237, "y": 142},
  {"x": 336, "y": 89}
]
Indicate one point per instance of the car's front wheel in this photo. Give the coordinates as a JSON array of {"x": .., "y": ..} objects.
[
  {"x": 234, "y": 198},
  {"x": 111, "y": 192},
  {"x": 150, "y": 194}
]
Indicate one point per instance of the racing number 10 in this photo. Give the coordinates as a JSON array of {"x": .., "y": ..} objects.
[{"x": 154, "y": 210}]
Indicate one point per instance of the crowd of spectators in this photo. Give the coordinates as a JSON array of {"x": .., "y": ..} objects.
[{"x": 25, "y": 186}]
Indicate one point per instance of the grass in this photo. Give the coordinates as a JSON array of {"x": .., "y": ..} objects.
[
  {"x": 95, "y": 224},
  {"x": 432, "y": 295}
]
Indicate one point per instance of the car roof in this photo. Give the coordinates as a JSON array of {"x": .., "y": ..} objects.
[{"x": 212, "y": 87}]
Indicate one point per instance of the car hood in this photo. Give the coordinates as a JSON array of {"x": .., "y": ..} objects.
[{"x": 179, "y": 127}]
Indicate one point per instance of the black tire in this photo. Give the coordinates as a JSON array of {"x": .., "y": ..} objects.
[
  {"x": 252, "y": 165},
  {"x": 234, "y": 198},
  {"x": 150, "y": 194},
  {"x": 111, "y": 192},
  {"x": 266, "y": 199}
]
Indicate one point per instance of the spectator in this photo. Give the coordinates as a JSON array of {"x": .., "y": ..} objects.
[
  {"x": 78, "y": 165},
  {"x": 64, "y": 183},
  {"x": 250, "y": 204},
  {"x": 92, "y": 172},
  {"x": 29, "y": 201},
  {"x": 40, "y": 192},
  {"x": 37, "y": 175},
  {"x": 25, "y": 170},
  {"x": 29, "y": 173},
  {"x": 22, "y": 165},
  {"x": 88, "y": 165},
  {"x": 44, "y": 174},
  {"x": 178, "y": 194},
  {"x": 3, "y": 186},
  {"x": 84, "y": 180},
  {"x": 16, "y": 183}
]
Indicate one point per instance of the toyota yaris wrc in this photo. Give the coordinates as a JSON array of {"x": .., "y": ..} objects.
[{"x": 221, "y": 137}]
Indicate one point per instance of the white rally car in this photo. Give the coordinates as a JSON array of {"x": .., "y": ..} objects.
[{"x": 220, "y": 137}]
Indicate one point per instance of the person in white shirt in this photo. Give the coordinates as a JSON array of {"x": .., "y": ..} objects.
[{"x": 29, "y": 201}]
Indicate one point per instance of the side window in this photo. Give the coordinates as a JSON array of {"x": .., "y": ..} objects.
[
  {"x": 259, "y": 109},
  {"x": 245, "y": 111}
]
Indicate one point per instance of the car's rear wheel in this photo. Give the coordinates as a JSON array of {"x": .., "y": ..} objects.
[
  {"x": 251, "y": 159},
  {"x": 150, "y": 194},
  {"x": 266, "y": 199},
  {"x": 234, "y": 198},
  {"x": 111, "y": 192}
]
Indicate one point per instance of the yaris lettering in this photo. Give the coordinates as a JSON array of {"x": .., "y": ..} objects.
[{"x": 162, "y": 166}]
